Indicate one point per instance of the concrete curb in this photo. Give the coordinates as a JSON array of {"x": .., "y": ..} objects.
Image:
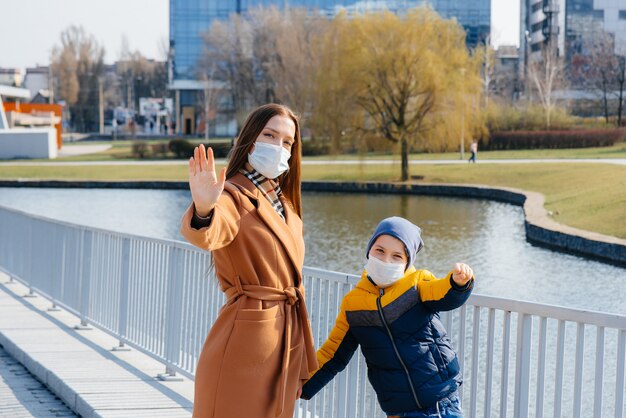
[
  {"x": 53, "y": 382},
  {"x": 541, "y": 230}
]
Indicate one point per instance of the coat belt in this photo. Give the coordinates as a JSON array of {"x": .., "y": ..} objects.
[{"x": 296, "y": 306}]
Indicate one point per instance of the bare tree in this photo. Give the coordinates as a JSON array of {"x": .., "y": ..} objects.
[
  {"x": 213, "y": 91},
  {"x": 265, "y": 56},
  {"x": 229, "y": 45},
  {"x": 504, "y": 81},
  {"x": 620, "y": 81},
  {"x": 487, "y": 56},
  {"x": 284, "y": 50},
  {"x": 547, "y": 75},
  {"x": 77, "y": 67},
  {"x": 64, "y": 67},
  {"x": 600, "y": 68},
  {"x": 139, "y": 76}
]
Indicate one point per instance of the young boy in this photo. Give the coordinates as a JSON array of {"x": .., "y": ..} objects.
[{"x": 392, "y": 313}]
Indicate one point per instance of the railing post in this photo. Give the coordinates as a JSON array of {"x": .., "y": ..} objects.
[
  {"x": 85, "y": 280},
  {"x": 619, "y": 375},
  {"x": 578, "y": 369},
  {"x": 173, "y": 310},
  {"x": 597, "y": 398},
  {"x": 541, "y": 366},
  {"x": 489, "y": 372},
  {"x": 31, "y": 293},
  {"x": 340, "y": 390},
  {"x": 504, "y": 379},
  {"x": 349, "y": 385},
  {"x": 58, "y": 287},
  {"x": 24, "y": 265},
  {"x": 123, "y": 312},
  {"x": 353, "y": 386},
  {"x": 475, "y": 357},
  {"x": 522, "y": 365},
  {"x": 558, "y": 384},
  {"x": 461, "y": 349},
  {"x": 25, "y": 269}
]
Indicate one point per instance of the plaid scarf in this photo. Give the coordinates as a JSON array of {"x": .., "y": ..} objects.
[{"x": 267, "y": 187}]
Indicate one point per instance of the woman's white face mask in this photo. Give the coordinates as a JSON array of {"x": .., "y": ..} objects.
[
  {"x": 382, "y": 273},
  {"x": 269, "y": 160}
]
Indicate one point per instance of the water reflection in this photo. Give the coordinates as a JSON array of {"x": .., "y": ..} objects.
[{"x": 487, "y": 235}]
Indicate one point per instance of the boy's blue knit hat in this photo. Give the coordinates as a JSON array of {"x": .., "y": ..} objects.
[{"x": 402, "y": 229}]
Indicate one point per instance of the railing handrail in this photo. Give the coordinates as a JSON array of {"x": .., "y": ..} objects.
[
  {"x": 166, "y": 241},
  {"x": 564, "y": 313},
  {"x": 603, "y": 319}
]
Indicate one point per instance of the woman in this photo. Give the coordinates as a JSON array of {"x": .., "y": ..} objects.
[{"x": 260, "y": 348}]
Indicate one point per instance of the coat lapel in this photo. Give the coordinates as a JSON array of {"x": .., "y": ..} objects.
[
  {"x": 294, "y": 225},
  {"x": 288, "y": 231}
]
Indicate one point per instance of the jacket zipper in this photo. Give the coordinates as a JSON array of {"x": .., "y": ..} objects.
[{"x": 395, "y": 348}]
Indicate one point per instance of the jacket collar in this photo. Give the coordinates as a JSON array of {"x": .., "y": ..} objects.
[
  {"x": 288, "y": 231},
  {"x": 367, "y": 285},
  {"x": 245, "y": 186}
]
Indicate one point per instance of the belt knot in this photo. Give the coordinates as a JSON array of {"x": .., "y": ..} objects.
[{"x": 293, "y": 295}]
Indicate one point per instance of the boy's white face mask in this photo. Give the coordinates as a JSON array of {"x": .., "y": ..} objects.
[
  {"x": 269, "y": 160},
  {"x": 384, "y": 274}
]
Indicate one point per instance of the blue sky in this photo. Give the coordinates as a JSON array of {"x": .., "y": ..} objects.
[{"x": 30, "y": 28}]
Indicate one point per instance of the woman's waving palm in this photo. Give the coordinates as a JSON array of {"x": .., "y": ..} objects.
[{"x": 204, "y": 184}]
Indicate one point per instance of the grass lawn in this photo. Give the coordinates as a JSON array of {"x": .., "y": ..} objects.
[
  {"x": 616, "y": 151},
  {"x": 587, "y": 196},
  {"x": 121, "y": 150}
]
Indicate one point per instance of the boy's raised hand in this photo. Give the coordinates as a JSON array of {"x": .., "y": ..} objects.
[
  {"x": 461, "y": 274},
  {"x": 206, "y": 187}
]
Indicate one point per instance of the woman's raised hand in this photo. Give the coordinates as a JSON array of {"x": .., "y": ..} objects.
[{"x": 204, "y": 184}]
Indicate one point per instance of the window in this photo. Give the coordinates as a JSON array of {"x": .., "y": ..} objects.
[
  {"x": 536, "y": 6},
  {"x": 622, "y": 15}
]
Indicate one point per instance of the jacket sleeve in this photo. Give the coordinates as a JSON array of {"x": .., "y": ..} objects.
[
  {"x": 442, "y": 294},
  {"x": 220, "y": 230},
  {"x": 332, "y": 357}
]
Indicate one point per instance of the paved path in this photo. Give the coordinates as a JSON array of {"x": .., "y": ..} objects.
[
  {"x": 618, "y": 161},
  {"x": 72, "y": 150},
  {"x": 22, "y": 395},
  {"x": 79, "y": 366}
]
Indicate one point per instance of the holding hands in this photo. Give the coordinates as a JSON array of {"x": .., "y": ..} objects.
[
  {"x": 461, "y": 274},
  {"x": 204, "y": 184}
]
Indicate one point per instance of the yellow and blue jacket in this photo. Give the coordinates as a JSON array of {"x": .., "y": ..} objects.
[{"x": 410, "y": 361}]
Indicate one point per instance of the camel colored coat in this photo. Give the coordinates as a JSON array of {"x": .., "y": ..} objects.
[{"x": 261, "y": 346}]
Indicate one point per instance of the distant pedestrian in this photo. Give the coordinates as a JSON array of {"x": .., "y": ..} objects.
[
  {"x": 474, "y": 149},
  {"x": 114, "y": 127}
]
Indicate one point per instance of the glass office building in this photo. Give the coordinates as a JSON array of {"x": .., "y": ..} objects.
[{"x": 189, "y": 19}]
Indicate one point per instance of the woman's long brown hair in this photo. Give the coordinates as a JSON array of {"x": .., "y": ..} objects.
[{"x": 255, "y": 122}]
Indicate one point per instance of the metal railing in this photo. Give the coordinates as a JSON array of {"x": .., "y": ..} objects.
[{"x": 158, "y": 296}]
